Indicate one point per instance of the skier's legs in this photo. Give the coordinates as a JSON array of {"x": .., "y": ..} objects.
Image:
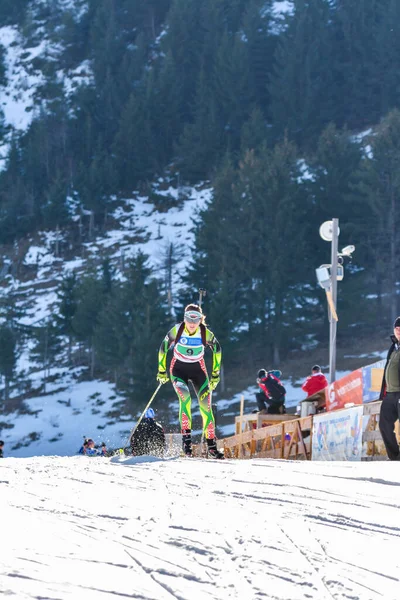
[
  {"x": 180, "y": 382},
  {"x": 201, "y": 385}
]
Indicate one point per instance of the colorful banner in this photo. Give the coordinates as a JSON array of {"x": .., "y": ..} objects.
[
  {"x": 338, "y": 435},
  {"x": 347, "y": 390},
  {"x": 372, "y": 380}
]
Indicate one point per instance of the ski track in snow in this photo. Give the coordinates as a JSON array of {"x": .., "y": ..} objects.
[{"x": 162, "y": 529}]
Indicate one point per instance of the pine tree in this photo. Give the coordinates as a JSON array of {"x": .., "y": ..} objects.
[
  {"x": 3, "y": 77},
  {"x": 232, "y": 88},
  {"x": 97, "y": 183},
  {"x": 133, "y": 144},
  {"x": 184, "y": 40},
  {"x": 261, "y": 48},
  {"x": 302, "y": 87},
  {"x": 388, "y": 50},
  {"x": 337, "y": 159},
  {"x": 377, "y": 196},
  {"x": 67, "y": 298},
  {"x": 358, "y": 37},
  {"x": 111, "y": 339},
  {"x": 201, "y": 142},
  {"x": 255, "y": 132},
  {"x": 89, "y": 301},
  {"x": 8, "y": 356},
  {"x": 218, "y": 266},
  {"x": 12, "y": 12},
  {"x": 146, "y": 328},
  {"x": 47, "y": 346},
  {"x": 275, "y": 204},
  {"x": 171, "y": 255},
  {"x": 164, "y": 99},
  {"x": 55, "y": 211}
]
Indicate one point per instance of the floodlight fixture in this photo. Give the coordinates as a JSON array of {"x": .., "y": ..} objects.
[{"x": 348, "y": 250}]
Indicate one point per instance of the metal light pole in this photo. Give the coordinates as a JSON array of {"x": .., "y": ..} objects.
[
  {"x": 327, "y": 277},
  {"x": 333, "y": 321}
]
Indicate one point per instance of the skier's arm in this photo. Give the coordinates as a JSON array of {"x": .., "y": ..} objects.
[
  {"x": 165, "y": 346},
  {"x": 215, "y": 346}
]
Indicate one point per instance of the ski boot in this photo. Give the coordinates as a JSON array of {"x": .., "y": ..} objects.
[
  {"x": 187, "y": 442},
  {"x": 213, "y": 450}
]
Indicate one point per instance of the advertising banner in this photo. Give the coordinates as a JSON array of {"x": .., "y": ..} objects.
[
  {"x": 372, "y": 380},
  {"x": 338, "y": 435},
  {"x": 347, "y": 390}
]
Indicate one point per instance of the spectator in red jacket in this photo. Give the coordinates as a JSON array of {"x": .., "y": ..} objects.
[{"x": 315, "y": 385}]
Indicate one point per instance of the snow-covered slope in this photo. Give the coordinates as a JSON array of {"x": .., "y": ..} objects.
[
  {"x": 55, "y": 422},
  {"x": 101, "y": 529}
]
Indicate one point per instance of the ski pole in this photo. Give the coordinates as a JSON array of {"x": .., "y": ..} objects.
[{"x": 144, "y": 412}]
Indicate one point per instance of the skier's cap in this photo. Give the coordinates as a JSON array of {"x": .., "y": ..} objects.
[
  {"x": 397, "y": 322},
  {"x": 261, "y": 373},
  {"x": 149, "y": 414},
  {"x": 316, "y": 368},
  {"x": 193, "y": 316}
]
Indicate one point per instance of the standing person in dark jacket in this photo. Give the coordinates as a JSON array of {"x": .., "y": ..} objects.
[
  {"x": 149, "y": 437},
  {"x": 390, "y": 396},
  {"x": 1, "y": 448}
]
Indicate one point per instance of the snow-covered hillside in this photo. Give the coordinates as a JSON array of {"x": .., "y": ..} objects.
[
  {"x": 55, "y": 422},
  {"x": 198, "y": 529}
]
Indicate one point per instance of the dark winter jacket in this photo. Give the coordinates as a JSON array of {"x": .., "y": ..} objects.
[
  {"x": 394, "y": 345},
  {"x": 149, "y": 438},
  {"x": 262, "y": 385},
  {"x": 1, "y": 453}
]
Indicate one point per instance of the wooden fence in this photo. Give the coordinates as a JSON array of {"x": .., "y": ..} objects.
[{"x": 290, "y": 437}]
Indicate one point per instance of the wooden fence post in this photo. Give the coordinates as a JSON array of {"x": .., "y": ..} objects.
[{"x": 241, "y": 426}]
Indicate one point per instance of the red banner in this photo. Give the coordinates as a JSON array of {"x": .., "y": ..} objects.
[{"x": 347, "y": 390}]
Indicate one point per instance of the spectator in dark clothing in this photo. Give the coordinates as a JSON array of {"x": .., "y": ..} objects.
[
  {"x": 83, "y": 448},
  {"x": 390, "y": 396},
  {"x": 315, "y": 385},
  {"x": 149, "y": 437},
  {"x": 270, "y": 401},
  {"x": 1, "y": 448}
]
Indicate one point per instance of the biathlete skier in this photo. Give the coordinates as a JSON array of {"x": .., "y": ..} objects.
[{"x": 189, "y": 341}]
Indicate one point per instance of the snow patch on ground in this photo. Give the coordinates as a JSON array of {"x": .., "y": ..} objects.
[
  {"x": 192, "y": 528},
  {"x": 80, "y": 75},
  {"x": 18, "y": 96},
  {"x": 56, "y": 422}
]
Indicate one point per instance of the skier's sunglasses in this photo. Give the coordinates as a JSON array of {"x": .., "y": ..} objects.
[{"x": 192, "y": 316}]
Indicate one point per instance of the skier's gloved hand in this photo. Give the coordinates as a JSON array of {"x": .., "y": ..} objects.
[
  {"x": 162, "y": 377},
  {"x": 214, "y": 381}
]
